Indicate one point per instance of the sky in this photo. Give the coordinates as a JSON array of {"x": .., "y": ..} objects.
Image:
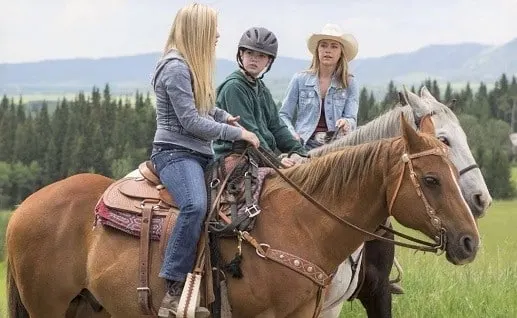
[{"x": 34, "y": 30}]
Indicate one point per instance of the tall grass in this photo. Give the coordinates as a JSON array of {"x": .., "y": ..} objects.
[
  {"x": 4, "y": 217},
  {"x": 3, "y": 296},
  {"x": 485, "y": 288}
]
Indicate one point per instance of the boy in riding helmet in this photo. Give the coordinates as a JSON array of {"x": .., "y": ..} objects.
[{"x": 244, "y": 94}]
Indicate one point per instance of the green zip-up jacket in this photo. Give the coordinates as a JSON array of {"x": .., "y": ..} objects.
[{"x": 252, "y": 101}]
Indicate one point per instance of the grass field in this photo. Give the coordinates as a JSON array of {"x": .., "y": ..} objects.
[
  {"x": 436, "y": 288},
  {"x": 485, "y": 288},
  {"x": 3, "y": 298}
]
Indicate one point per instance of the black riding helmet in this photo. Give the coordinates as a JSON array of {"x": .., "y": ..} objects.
[{"x": 261, "y": 40}]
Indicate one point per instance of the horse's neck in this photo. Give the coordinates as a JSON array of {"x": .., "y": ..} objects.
[
  {"x": 305, "y": 230},
  {"x": 385, "y": 126}
]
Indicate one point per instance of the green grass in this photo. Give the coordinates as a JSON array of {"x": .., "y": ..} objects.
[
  {"x": 3, "y": 296},
  {"x": 484, "y": 288}
]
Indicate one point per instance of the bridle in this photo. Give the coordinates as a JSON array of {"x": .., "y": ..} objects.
[
  {"x": 467, "y": 169},
  {"x": 431, "y": 213},
  {"x": 440, "y": 238}
]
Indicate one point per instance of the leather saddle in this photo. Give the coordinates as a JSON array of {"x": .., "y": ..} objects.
[{"x": 131, "y": 194}]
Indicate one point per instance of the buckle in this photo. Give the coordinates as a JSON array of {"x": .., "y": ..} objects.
[
  {"x": 253, "y": 210},
  {"x": 146, "y": 289},
  {"x": 253, "y": 162}
]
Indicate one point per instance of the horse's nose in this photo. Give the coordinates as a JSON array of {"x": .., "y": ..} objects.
[
  {"x": 468, "y": 245},
  {"x": 480, "y": 204}
]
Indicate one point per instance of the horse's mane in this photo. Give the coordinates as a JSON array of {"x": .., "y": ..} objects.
[
  {"x": 331, "y": 173},
  {"x": 386, "y": 125}
]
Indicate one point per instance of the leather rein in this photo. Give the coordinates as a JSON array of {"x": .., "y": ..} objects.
[{"x": 440, "y": 239}]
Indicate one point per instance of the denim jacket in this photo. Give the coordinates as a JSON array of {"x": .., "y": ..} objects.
[
  {"x": 301, "y": 107},
  {"x": 178, "y": 121}
]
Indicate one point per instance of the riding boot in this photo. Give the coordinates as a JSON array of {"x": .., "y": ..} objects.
[{"x": 170, "y": 302}]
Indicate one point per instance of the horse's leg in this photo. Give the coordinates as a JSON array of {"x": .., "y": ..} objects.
[
  {"x": 85, "y": 305},
  {"x": 113, "y": 267},
  {"x": 306, "y": 311},
  {"x": 375, "y": 293}
]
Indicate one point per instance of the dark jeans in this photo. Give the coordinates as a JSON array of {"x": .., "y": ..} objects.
[{"x": 182, "y": 172}]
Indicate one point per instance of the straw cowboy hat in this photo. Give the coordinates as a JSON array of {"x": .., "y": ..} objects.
[{"x": 334, "y": 32}]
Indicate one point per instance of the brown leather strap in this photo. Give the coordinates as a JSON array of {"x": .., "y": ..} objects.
[
  {"x": 319, "y": 301},
  {"x": 166, "y": 230},
  {"x": 297, "y": 264},
  {"x": 144, "y": 291}
]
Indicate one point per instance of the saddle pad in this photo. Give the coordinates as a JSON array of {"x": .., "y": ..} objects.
[{"x": 130, "y": 222}]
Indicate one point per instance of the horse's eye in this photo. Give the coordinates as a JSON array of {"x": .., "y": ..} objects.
[
  {"x": 431, "y": 181},
  {"x": 444, "y": 140}
]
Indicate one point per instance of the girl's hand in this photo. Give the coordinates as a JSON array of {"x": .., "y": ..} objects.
[
  {"x": 343, "y": 125},
  {"x": 233, "y": 120},
  {"x": 288, "y": 162},
  {"x": 250, "y": 137}
]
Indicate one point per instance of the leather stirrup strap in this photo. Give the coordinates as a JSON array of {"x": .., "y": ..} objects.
[
  {"x": 144, "y": 292},
  {"x": 319, "y": 301}
]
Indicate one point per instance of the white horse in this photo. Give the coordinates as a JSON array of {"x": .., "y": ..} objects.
[{"x": 448, "y": 130}]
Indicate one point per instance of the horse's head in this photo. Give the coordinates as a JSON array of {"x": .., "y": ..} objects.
[
  {"x": 427, "y": 197},
  {"x": 449, "y": 131}
]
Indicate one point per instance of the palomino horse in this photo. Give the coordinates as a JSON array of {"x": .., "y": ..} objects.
[
  {"x": 54, "y": 254},
  {"x": 375, "y": 293}
]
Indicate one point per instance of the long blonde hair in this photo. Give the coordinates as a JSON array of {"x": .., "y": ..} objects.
[
  {"x": 193, "y": 35},
  {"x": 341, "y": 71}
]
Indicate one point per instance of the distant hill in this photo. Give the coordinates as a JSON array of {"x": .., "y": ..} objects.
[{"x": 454, "y": 63}]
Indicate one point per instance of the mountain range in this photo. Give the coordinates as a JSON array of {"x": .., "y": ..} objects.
[{"x": 455, "y": 63}]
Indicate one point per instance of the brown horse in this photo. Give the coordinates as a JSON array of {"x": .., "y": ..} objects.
[{"x": 54, "y": 253}]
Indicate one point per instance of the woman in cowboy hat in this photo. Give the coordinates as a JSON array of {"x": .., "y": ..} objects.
[{"x": 323, "y": 98}]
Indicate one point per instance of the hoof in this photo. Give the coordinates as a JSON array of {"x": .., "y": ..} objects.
[{"x": 396, "y": 289}]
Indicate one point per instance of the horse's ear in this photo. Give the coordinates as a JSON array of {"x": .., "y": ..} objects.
[
  {"x": 425, "y": 93},
  {"x": 427, "y": 125},
  {"x": 408, "y": 133},
  {"x": 402, "y": 99},
  {"x": 421, "y": 107},
  {"x": 452, "y": 104}
]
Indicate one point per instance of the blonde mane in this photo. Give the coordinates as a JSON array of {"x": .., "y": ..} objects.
[{"x": 330, "y": 174}]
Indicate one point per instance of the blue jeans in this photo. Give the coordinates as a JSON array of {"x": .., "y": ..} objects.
[{"x": 181, "y": 171}]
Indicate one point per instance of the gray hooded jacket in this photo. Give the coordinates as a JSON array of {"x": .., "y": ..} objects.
[{"x": 178, "y": 121}]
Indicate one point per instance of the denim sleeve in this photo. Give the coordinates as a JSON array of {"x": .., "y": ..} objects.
[
  {"x": 177, "y": 81},
  {"x": 284, "y": 138},
  {"x": 290, "y": 104},
  {"x": 352, "y": 103}
]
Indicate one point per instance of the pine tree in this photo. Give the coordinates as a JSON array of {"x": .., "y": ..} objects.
[
  {"x": 362, "y": 114},
  {"x": 43, "y": 131},
  {"x": 447, "y": 97},
  {"x": 435, "y": 90},
  {"x": 7, "y": 131}
]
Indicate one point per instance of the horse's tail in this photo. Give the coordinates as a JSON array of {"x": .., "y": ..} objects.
[{"x": 14, "y": 302}]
